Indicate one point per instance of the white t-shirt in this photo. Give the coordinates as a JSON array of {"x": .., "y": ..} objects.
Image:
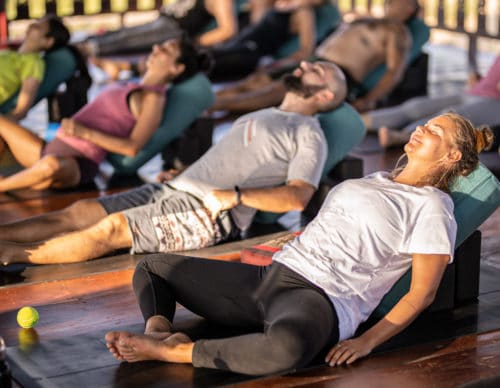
[
  {"x": 362, "y": 241},
  {"x": 262, "y": 149}
]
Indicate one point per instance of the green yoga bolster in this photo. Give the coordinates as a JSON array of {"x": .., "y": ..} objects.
[
  {"x": 475, "y": 197},
  {"x": 185, "y": 103},
  {"x": 60, "y": 65},
  {"x": 420, "y": 34},
  {"x": 327, "y": 19},
  {"x": 343, "y": 129}
]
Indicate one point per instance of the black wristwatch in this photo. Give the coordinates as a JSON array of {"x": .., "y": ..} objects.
[{"x": 238, "y": 195}]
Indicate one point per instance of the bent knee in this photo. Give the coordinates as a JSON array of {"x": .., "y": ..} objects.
[
  {"x": 288, "y": 350},
  {"x": 49, "y": 166}
]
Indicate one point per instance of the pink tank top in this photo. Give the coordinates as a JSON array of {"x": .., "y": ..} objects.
[
  {"x": 488, "y": 86},
  {"x": 109, "y": 113}
]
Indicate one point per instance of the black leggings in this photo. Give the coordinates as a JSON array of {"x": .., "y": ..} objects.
[
  {"x": 290, "y": 319},
  {"x": 240, "y": 56}
]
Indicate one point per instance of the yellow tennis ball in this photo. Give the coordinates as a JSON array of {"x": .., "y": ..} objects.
[{"x": 27, "y": 317}]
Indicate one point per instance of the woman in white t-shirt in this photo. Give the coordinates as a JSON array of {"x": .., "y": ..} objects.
[{"x": 325, "y": 282}]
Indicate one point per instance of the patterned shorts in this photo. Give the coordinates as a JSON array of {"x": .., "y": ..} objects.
[{"x": 162, "y": 219}]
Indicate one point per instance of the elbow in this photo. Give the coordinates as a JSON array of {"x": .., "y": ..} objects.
[
  {"x": 131, "y": 152},
  {"x": 229, "y": 32},
  {"x": 423, "y": 302},
  {"x": 300, "y": 203},
  {"x": 427, "y": 300}
]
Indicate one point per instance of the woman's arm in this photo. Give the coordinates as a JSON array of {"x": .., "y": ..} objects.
[
  {"x": 227, "y": 24},
  {"x": 25, "y": 99},
  {"x": 147, "y": 122},
  {"x": 427, "y": 271}
]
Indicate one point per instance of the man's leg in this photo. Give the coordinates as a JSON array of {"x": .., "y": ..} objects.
[
  {"x": 109, "y": 234},
  {"x": 80, "y": 215}
]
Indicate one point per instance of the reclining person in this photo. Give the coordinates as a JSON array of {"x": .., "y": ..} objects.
[
  {"x": 285, "y": 18},
  {"x": 23, "y": 69},
  {"x": 358, "y": 48},
  {"x": 270, "y": 160},
  {"x": 480, "y": 103},
  {"x": 121, "y": 119},
  {"x": 326, "y": 281},
  {"x": 175, "y": 18}
]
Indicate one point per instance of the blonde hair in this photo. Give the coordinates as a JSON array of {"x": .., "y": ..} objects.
[{"x": 470, "y": 141}]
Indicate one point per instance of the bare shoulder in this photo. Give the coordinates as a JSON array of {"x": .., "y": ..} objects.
[{"x": 400, "y": 32}]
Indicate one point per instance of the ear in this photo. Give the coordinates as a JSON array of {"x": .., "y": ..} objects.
[
  {"x": 179, "y": 68},
  {"x": 454, "y": 156},
  {"x": 49, "y": 42},
  {"x": 325, "y": 96}
]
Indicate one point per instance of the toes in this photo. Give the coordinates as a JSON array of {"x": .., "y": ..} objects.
[{"x": 112, "y": 336}]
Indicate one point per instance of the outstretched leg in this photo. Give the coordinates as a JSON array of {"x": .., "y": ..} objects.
[
  {"x": 109, "y": 234},
  {"x": 80, "y": 215}
]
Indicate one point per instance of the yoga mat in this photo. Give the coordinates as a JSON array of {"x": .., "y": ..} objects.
[{"x": 84, "y": 361}]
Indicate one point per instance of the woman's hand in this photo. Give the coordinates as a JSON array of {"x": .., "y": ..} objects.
[
  {"x": 348, "y": 351},
  {"x": 71, "y": 128}
]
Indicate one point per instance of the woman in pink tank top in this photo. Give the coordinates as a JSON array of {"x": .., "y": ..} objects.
[{"x": 121, "y": 120}]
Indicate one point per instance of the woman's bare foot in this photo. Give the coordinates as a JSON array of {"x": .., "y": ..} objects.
[
  {"x": 158, "y": 327},
  {"x": 391, "y": 138},
  {"x": 134, "y": 347}
]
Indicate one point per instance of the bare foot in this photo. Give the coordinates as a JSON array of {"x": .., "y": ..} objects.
[
  {"x": 158, "y": 327},
  {"x": 133, "y": 347},
  {"x": 11, "y": 253},
  {"x": 390, "y": 138}
]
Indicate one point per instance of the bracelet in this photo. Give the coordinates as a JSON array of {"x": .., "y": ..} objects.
[{"x": 238, "y": 195}]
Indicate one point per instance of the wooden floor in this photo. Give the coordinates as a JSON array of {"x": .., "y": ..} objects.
[{"x": 444, "y": 349}]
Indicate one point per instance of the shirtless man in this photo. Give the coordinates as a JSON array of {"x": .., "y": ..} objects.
[
  {"x": 278, "y": 21},
  {"x": 358, "y": 48}
]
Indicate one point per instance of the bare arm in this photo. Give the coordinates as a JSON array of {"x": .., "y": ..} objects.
[
  {"x": 25, "y": 99},
  {"x": 398, "y": 46},
  {"x": 290, "y": 5},
  {"x": 427, "y": 271},
  {"x": 295, "y": 195},
  {"x": 303, "y": 23},
  {"x": 149, "y": 118},
  {"x": 227, "y": 25}
]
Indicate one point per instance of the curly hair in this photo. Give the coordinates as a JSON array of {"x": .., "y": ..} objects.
[{"x": 470, "y": 141}]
